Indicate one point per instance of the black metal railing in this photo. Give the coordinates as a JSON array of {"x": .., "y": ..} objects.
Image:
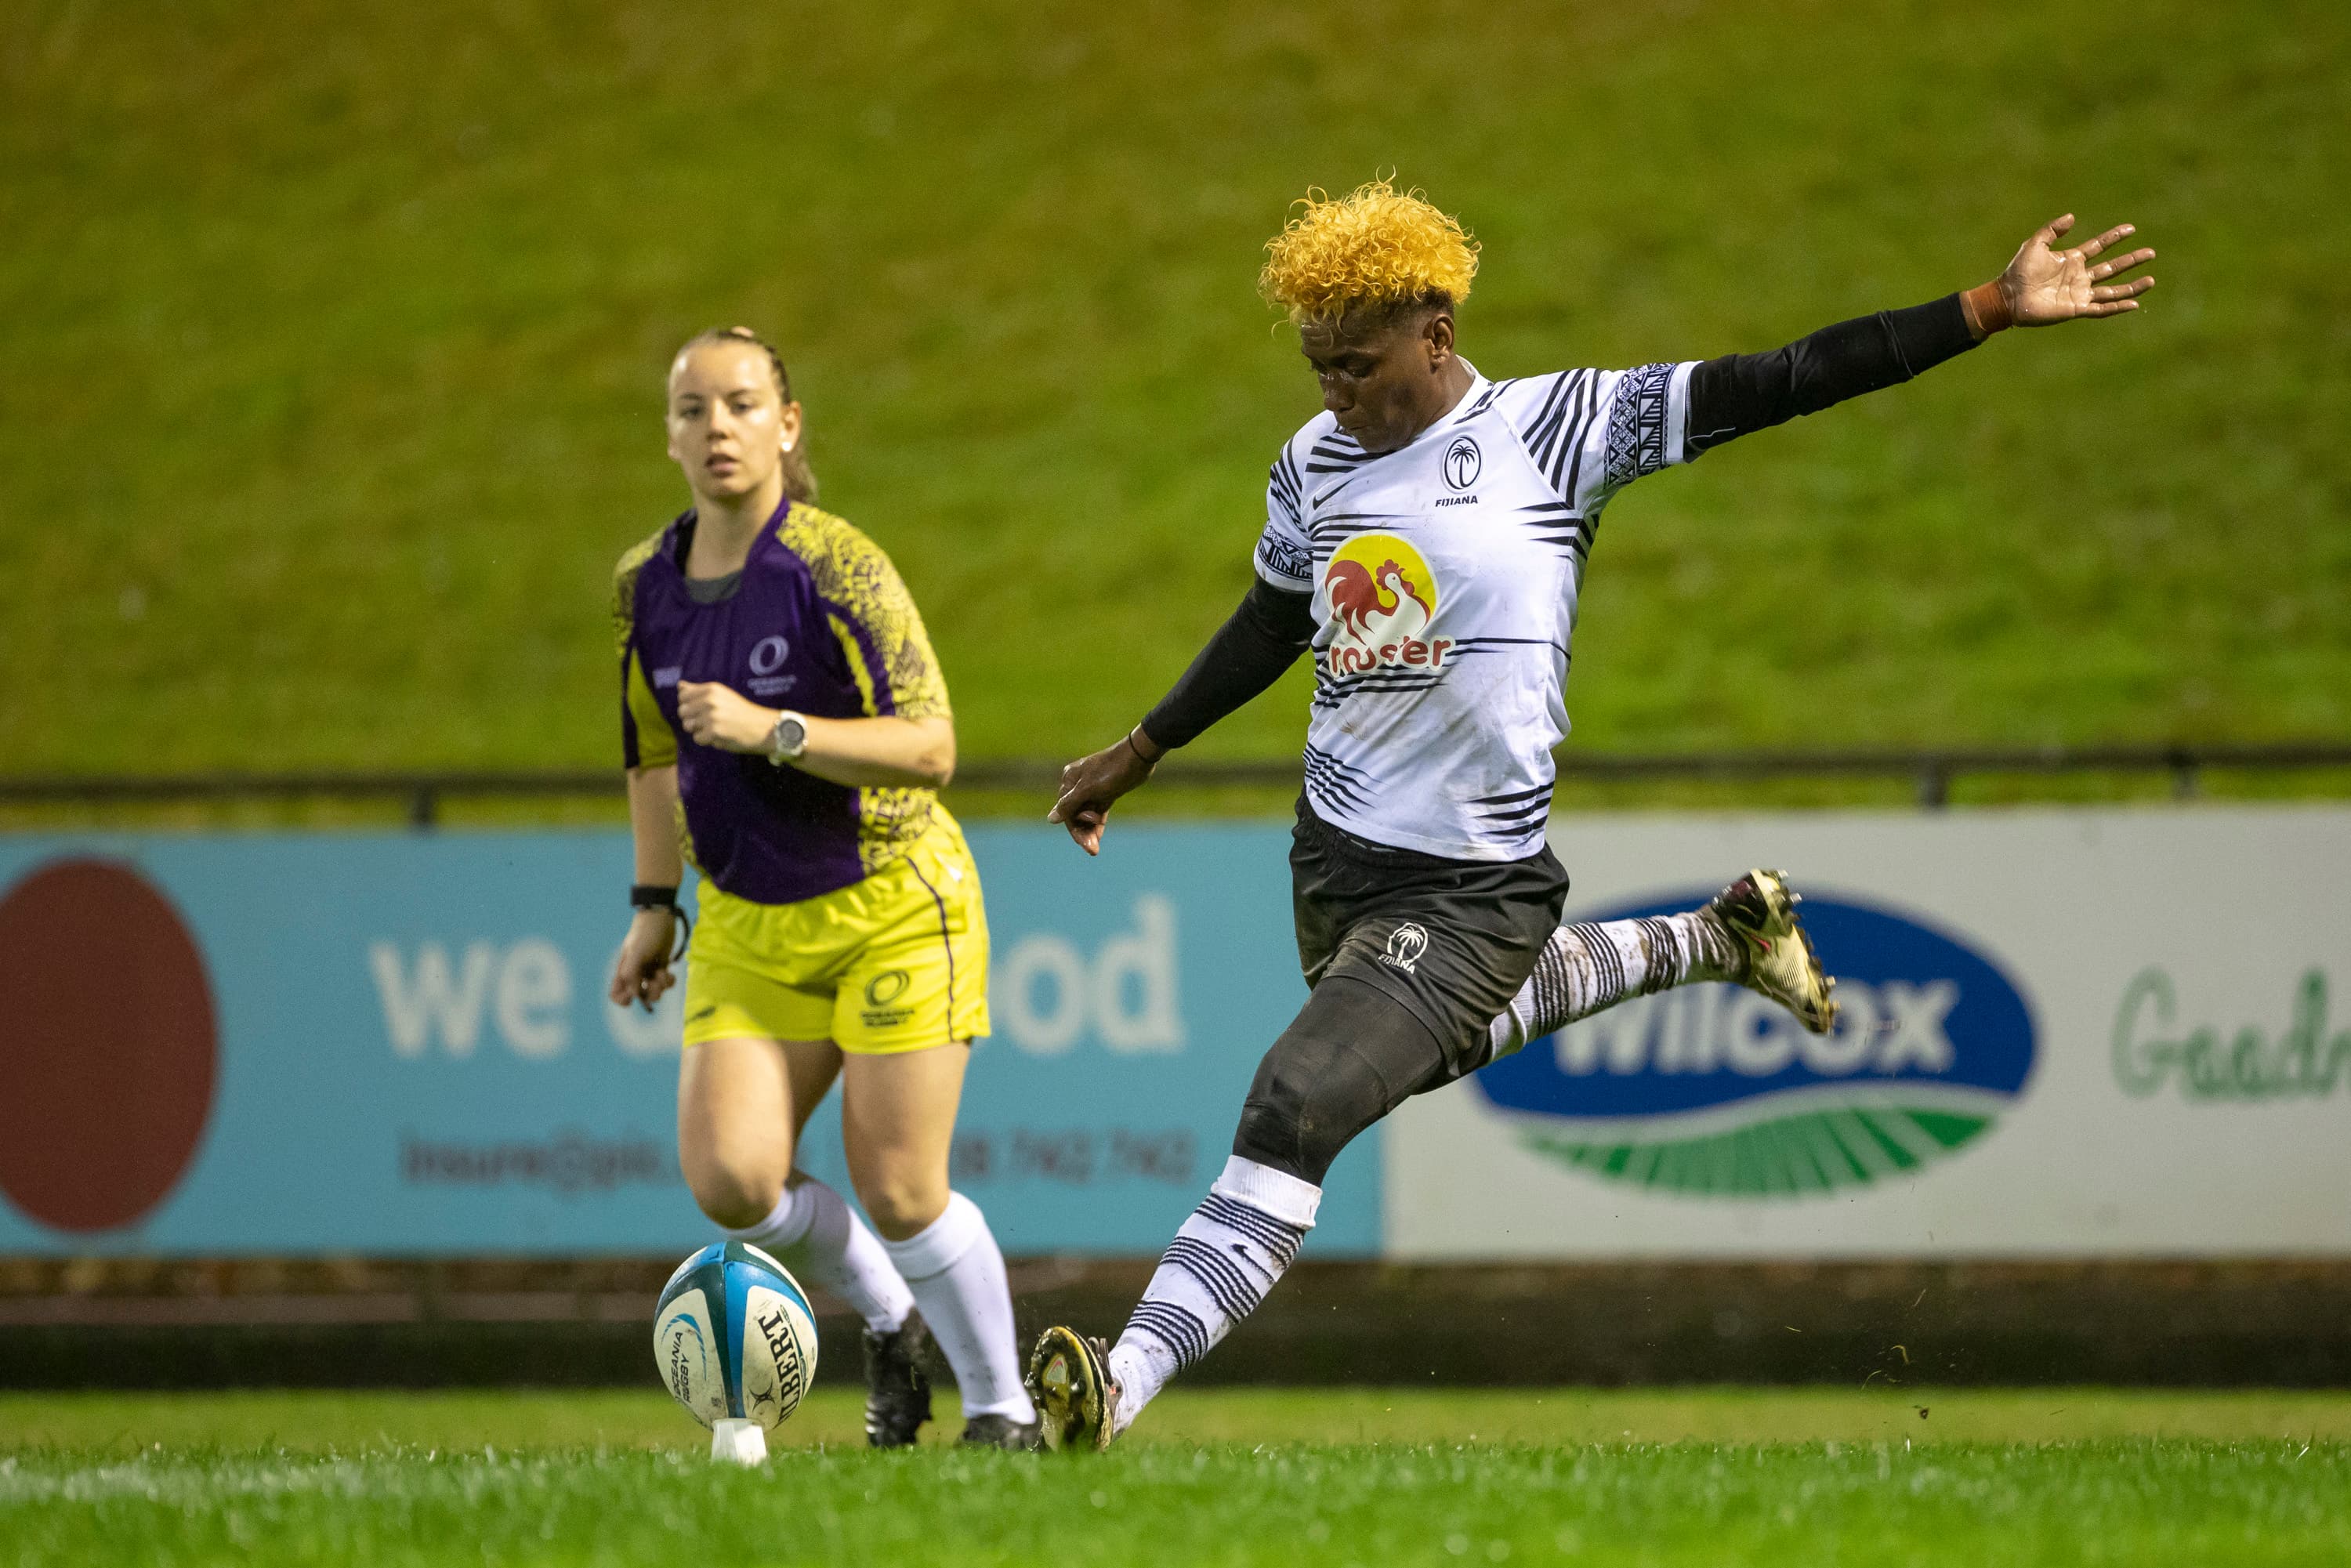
[{"x": 423, "y": 793}]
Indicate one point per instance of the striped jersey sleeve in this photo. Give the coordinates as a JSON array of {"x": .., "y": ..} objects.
[
  {"x": 1592, "y": 432},
  {"x": 1284, "y": 556},
  {"x": 646, "y": 739},
  {"x": 873, "y": 615}
]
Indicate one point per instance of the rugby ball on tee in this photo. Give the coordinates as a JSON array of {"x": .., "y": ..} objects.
[{"x": 734, "y": 1337}]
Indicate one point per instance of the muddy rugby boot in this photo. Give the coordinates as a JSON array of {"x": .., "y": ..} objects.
[
  {"x": 1069, "y": 1376},
  {"x": 1760, "y": 910}
]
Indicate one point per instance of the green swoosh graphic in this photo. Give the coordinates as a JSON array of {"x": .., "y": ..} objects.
[{"x": 1789, "y": 1156}]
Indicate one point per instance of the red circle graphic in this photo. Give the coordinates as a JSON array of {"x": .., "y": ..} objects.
[{"x": 108, "y": 1046}]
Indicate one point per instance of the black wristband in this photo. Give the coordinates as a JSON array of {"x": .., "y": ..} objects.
[{"x": 653, "y": 895}]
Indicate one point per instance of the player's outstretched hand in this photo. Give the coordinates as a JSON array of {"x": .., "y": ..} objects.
[
  {"x": 717, "y": 715},
  {"x": 641, "y": 973},
  {"x": 2044, "y": 285},
  {"x": 1090, "y": 786}
]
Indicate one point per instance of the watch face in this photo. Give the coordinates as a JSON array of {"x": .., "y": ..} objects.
[{"x": 791, "y": 736}]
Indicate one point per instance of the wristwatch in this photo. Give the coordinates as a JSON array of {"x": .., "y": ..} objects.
[{"x": 789, "y": 739}]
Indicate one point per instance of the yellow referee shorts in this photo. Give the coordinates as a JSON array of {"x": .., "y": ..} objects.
[{"x": 896, "y": 962}]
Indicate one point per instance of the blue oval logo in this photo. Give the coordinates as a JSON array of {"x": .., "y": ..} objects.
[{"x": 1713, "y": 1090}]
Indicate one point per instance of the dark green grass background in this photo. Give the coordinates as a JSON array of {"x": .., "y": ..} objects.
[
  {"x": 1761, "y": 1476},
  {"x": 333, "y": 340}
]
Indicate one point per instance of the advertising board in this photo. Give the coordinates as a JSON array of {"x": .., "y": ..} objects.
[
  {"x": 2065, "y": 1033},
  {"x": 2083, "y": 1033},
  {"x": 399, "y": 1043}
]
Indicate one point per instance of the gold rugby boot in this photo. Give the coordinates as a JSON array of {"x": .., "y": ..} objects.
[
  {"x": 1069, "y": 1377},
  {"x": 1760, "y": 909}
]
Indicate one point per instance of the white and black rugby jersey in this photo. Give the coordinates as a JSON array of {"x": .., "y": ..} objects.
[{"x": 1444, "y": 577}]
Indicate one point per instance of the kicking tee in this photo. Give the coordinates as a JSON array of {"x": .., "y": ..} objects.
[
  {"x": 818, "y": 621},
  {"x": 1444, "y": 577}
]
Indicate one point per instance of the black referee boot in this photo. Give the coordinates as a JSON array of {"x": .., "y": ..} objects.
[{"x": 897, "y": 1385}]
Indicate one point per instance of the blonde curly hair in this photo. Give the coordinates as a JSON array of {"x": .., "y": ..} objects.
[{"x": 1376, "y": 248}]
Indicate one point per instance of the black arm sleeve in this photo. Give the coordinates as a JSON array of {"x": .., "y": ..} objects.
[
  {"x": 1738, "y": 393},
  {"x": 1264, "y": 637}
]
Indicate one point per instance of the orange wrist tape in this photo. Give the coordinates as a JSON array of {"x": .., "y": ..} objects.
[{"x": 1987, "y": 309}]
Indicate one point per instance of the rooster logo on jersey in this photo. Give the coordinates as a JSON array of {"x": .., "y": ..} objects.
[{"x": 1383, "y": 598}]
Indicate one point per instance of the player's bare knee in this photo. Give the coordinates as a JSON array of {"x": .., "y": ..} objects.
[
  {"x": 733, "y": 1195},
  {"x": 900, "y": 1205},
  {"x": 901, "y": 1213}
]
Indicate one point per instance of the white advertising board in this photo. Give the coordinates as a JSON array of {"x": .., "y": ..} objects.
[{"x": 2080, "y": 1033}]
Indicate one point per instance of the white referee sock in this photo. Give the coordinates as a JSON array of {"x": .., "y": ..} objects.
[
  {"x": 1590, "y": 965},
  {"x": 1240, "y": 1240},
  {"x": 956, "y": 1272},
  {"x": 812, "y": 1230}
]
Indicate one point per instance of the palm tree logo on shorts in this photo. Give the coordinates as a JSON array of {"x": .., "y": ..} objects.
[{"x": 1407, "y": 943}]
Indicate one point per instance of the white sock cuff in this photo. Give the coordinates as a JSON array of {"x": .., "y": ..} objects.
[
  {"x": 828, "y": 1223},
  {"x": 941, "y": 1244},
  {"x": 1508, "y": 1033},
  {"x": 786, "y": 1224},
  {"x": 1141, "y": 1371},
  {"x": 1278, "y": 1193}
]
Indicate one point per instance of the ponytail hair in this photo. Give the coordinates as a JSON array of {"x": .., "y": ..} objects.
[{"x": 799, "y": 479}]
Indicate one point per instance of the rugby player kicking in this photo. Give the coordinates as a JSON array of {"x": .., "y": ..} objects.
[{"x": 1425, "y": 535}]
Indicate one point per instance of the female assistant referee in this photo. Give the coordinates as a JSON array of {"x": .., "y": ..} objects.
[
  {"x": 784, "y": 723},
  {"x": 1426, "y": 536}
]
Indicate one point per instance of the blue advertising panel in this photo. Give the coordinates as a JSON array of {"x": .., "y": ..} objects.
[
  {"x": 1712, "y": 1089},
  {"x": 382, "y": 1044}
]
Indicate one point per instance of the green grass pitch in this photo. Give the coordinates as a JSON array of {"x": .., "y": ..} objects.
[
  {"x": 1290, "y": 1477},
  {"x": 335, "y": 337}
]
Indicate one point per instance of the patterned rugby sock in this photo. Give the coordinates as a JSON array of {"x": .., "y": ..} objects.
[
  {"x": 812, "y": 1231},
  {"x": 1590, "y": 964},
  {"x": 956, "y": 1272},
  {"x": 1240, "y": 1240}
]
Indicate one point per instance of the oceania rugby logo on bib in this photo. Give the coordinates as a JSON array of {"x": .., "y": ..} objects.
[
  {"x": 1382, "y": 599},
  {"x": 1712, "y": 1090},
  {"x": 767, "y": 656}
]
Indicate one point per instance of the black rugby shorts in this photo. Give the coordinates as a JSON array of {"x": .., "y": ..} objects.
[{"x": 1449, "y": 941}]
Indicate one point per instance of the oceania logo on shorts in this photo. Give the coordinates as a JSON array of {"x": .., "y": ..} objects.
[
  {"x": 1711, "y": 1090},
  {"x": 1407, "y": 943},
  {"x": 884, "y": 1000}
]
